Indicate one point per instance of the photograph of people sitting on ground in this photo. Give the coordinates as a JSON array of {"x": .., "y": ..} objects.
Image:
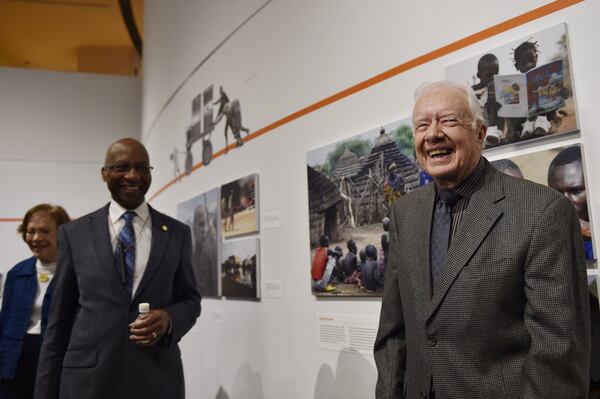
[
  {"x": 351, "y": 186},
  {"x": 524, "y": 87}
]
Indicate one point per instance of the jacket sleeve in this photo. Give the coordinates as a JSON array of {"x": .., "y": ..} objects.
[
  {"x": 185, "y": 308},
  {"x": 390, "y": 343},
  {"x": 62, "y": 314},
  {"x": 6, "y": 300},
  {"x": 557, "y": 312}
]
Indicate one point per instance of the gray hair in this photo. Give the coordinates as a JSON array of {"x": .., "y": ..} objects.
[{"x": 474, "y": 107}]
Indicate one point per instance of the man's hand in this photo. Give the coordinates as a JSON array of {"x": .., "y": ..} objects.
[{"x": 149, "y": 330}]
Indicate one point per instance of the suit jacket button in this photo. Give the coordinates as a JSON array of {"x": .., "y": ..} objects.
[
  {"x": 432, "y": 342},
  {"x": 422, "y": 394}
]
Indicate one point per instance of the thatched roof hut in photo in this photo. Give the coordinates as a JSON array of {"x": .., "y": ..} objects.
[
  {"x": 323, "y": 201},
  {"x": 347, "y": 165},
  {"x": 368, "y": 182}
]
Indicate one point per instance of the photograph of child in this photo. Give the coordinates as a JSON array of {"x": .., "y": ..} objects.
[{"x": 531, "y": 75}]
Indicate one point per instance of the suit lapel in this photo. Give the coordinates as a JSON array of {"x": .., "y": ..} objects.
[
  {"x": 423, "y": 212},
  {"x": 479, "y": 218},
  {"x": 102, "y": 245},
  {"x": 160, "y": 238}
]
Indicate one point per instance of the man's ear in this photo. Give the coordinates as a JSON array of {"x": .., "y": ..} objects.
[
  {"x": 481, "y": 132},
  {"x": 104, "y": 174}
]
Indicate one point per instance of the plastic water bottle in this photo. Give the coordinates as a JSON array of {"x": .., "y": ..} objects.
[{"x": 143, "y": 310}]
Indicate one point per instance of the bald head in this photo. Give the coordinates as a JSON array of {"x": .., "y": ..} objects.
[
  {"x": 126, "y": 172},
  {"x": 123, "y": 144}
]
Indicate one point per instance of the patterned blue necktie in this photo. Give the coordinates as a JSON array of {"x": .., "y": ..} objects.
[
  {"x": 126, "y": 244},
  {"x": 440, "y": 231}
]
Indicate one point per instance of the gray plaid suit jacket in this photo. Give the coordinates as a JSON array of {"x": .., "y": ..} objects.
[{"x": 509, "y": 317}]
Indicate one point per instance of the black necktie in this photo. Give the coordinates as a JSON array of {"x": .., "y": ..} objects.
[{"x": 440, "y": 231}]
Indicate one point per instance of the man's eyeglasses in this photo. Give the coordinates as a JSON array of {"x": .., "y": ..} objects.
[
  {"x": 444, "y": 124},
  {"x": 125, "y": 168}
]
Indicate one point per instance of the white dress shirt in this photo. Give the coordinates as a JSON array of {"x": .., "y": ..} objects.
[
  {"x": 47, "y": 270},
  {"x": 142, "y": 226}
]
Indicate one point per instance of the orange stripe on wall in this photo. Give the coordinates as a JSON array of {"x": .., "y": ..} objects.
[
  {"x": 435, "y": 54},
  {"x": 11, "y": 220}
]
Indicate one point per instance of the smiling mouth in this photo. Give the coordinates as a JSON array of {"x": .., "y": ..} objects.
[{"x": 440, "y": 152}]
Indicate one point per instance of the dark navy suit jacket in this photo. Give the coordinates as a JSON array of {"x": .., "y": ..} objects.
[
  {"x": 19, "y": 295},
  {"x": 87, "y": 353}
]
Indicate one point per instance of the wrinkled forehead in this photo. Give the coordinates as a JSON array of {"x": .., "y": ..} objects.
[{"x": 441, "y": 101}]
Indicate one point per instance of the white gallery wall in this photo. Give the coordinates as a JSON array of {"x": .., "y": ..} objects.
[
  {"x": 278, "y": 57},
  {"x": 54, "y": 130}
]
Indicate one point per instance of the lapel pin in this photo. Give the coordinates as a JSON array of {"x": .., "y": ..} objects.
[{"x": 164, "y": 227}]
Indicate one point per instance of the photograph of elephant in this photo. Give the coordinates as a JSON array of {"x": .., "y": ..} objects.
[
  {"x": 201, "y": 213},
  {"x": 562, "y": 169},
  {"x": 524, "y": 87},
  {"x": 239, "y": 207},
  {"x": 240, "y": 274},
  {"x": 351, "y": 186}
]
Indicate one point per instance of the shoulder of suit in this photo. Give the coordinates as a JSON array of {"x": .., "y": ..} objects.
[
  {"x": 416, "y": 195},
  {"x": 165, "y": 219},
  {"x": 24, "y": 265},
  {"x": 519, "y": 188},
  {"x": 530, "y": 199},
  {"x": 85, "y": 219}
]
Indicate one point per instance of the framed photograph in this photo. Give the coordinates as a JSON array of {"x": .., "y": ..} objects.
[
  {"x": 240, "y": 268},
  {"x": 201, "y": 213},
  {"x": 524, "y": 88},
  {"x": 562, "y": 169},
  {"x": 239, "y": 207},
  {"x": 351, "y": 186}
]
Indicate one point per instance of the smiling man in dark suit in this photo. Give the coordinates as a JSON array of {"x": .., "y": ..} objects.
[
  {"x": 485, "y": 292},
  {"x": 109, "y": 261}
]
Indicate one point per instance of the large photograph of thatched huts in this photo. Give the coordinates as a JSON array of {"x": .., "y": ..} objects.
[{"x": 351, "y": 186}]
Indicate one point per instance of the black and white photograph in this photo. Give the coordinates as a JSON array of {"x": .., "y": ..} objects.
[
  {"x": 201, "y": 213},
  {"x": 524, "y": 88},
  {"x": 240, "y": 268}
]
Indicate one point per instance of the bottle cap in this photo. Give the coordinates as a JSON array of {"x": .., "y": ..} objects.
[{"x": 144, "y": 307}]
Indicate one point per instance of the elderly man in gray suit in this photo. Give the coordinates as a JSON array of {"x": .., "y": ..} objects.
[
  {"x": 109, "y": 261},
  {"x": 485, "y": 292}
]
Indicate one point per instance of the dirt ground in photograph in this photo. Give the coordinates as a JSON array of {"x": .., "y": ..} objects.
[
  {"x": 363, "y": 235},
  {"x": 244, "y": 222}
]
